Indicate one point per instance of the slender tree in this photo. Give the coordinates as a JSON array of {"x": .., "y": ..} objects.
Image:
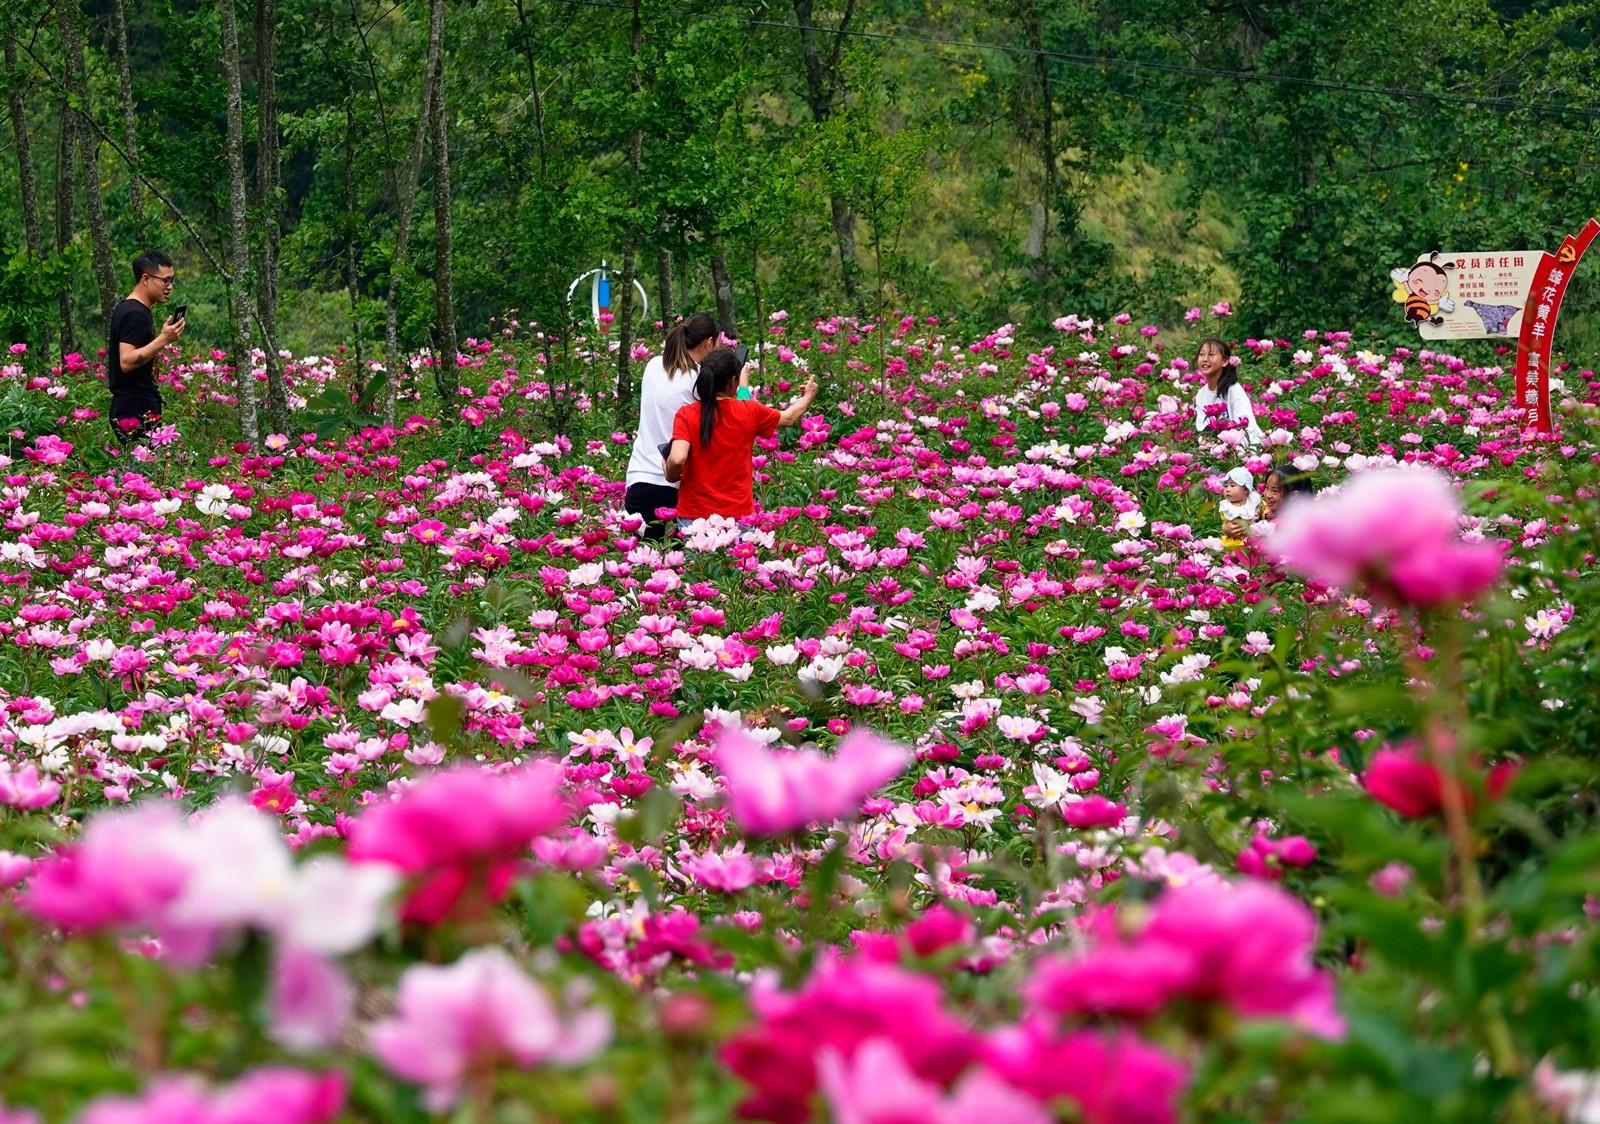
[
  {"x": 722, "y": 286},
  {"x": 238, "y": 274},
  {"x": 66, "y": 214},
  {"x": 1039, "y": 124},
  {"x": 87, "y": 153},
  {"x": 130, "y": 121},
  {"x": 630, "y": 245},
  {"x": 352, "y": 245},
  {"x": 27, "y": 176},
  {"x": 824, "y": 87},
  {"x": 525, "y": 41},
  {"x": 407, "y": 203},
  {"x": 664, "y": 308},
  {"x": 269, "y": 170},
  {"x": 445, "y": 373}
]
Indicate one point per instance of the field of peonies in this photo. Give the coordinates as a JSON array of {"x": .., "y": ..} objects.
[{"x": 389, "y": 776}]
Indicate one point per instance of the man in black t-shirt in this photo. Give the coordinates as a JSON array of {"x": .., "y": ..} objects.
[{"x": 133, "y": 346}]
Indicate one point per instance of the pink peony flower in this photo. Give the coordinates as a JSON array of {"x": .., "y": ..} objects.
[
  {"x": 125, "y": 868},
  {"x": 776, "y": 791},
  {"x": 877, "y": 1087},
  {"x": 1112, "y": 1079},
  {"x": 845, "y": 1003},
  {"x": 478, "y": 1013},
  {"x": 1244, "y": 945},
  {"x": 463, "y": 831},
  {"x": 279, "y": 1094},
  {"x": 1392, "y": 528},
  {"x": 311, "y": 1001},
  {"x": 1249, "y": 947},
  {"x": 24, "y": 788}
]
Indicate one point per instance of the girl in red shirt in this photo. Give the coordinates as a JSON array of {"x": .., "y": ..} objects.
[{"x": 713, "y": 440}]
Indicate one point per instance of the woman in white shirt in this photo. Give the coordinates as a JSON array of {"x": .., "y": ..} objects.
[
  {"x": 1215, "y": 362},
  {"x": 667, "y": 383}
]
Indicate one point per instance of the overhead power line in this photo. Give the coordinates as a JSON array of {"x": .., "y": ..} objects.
[{"x": 1117, "y": 62}]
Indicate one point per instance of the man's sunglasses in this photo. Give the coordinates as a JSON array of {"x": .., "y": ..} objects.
[{"x": 167, "y": 281}]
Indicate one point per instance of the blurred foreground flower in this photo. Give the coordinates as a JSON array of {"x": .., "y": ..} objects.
[
  {"x": 1404, "y": 780},
  {"x": 1246, "y": 946},
  {"x": 774, "y": 791},
  {"x": 1393, "y": 529},
  {"x": 454, "y": 1023},
  {"x": 463, "y": 831},
  {"x": 283, "y": 1096}
]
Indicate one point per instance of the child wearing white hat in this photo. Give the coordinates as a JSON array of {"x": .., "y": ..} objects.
[{"x": 1240, "y": 507}]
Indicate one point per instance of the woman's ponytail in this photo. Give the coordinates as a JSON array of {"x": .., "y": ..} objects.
[
  {"x": 718, "y": 371},
  {"x": 684, "y": 337}
]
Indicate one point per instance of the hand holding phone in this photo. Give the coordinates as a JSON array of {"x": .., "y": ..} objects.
[{"x": 741, "y": 355}]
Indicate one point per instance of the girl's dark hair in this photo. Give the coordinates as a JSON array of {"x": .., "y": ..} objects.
[
  {"x": 684, "y": 337},
  {"x": 1294, "y": 482},
  {"x": 1229, "y": 377},
  {"x": 718, "y": 371}
]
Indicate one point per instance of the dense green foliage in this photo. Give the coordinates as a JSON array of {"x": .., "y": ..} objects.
[{"x": 1153, "y": 152}]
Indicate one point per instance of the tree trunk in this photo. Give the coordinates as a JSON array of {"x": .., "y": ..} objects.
[
  {"x": 407, "y": 203},
  {"x": 664, "y": 272},
  {"x": 761, "y": 321},
  {"x": 533, "y": 82},
  {"x": 824, "y": 84},
  {"x": 630, "y": 252},
  {"x": 445, "y": 372},
  {"x": 27, "y": 178},
  {"x": 269, "y": 172},
  {"x": 1042, "y": 130},
  {"x": 88, "y": 157},
  {"x": 238, "y": 275},
  {"x": 66, "y": 198},
  {"x": 722, "y": 285},
  {"x": 130, "y": 122},
  {"x": 352, "y": 266}
]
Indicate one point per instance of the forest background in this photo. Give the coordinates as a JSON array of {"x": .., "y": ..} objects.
[{"x": 388, "y": 175}]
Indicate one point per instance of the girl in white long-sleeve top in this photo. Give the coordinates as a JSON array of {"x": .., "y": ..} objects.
[{"x": 1215, "y": 362}]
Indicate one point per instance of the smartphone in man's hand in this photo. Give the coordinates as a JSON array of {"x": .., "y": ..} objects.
[
  {"x": 664, "y": 448},
  {"x": 181, "y": 312}
]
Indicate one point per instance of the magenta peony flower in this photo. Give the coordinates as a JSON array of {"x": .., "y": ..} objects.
[
  {"x": 480, "y": 1012},
  {"x": 937, "y": 929},
  {"x": 1392, "y": 528},
  {"x": 1248, "y": 946},
  {"x": 1093, "y": 811},
  {"x": 776, "y": 791},
  {"x": 846, "y": 1002},
  {"x": 1123, "y": 980},
  {"x": 1404, "y": 780},
  {"x": 1112, "y": 1079},
  {"x": 463, "y": 831},
  {"x": 1244, "y": 945},
  {"x": 24, "y": 788}
]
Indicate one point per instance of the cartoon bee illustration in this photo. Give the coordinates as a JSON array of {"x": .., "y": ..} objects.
[{"x": 1422, "y": 289}]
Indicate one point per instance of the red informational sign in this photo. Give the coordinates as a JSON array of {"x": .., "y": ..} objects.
[{"x": 1534, "y": 343}]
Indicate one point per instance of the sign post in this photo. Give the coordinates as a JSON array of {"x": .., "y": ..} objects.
[
  {"x": 1535, "y": 342},
  {"x": 1494, "y": 295}
]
